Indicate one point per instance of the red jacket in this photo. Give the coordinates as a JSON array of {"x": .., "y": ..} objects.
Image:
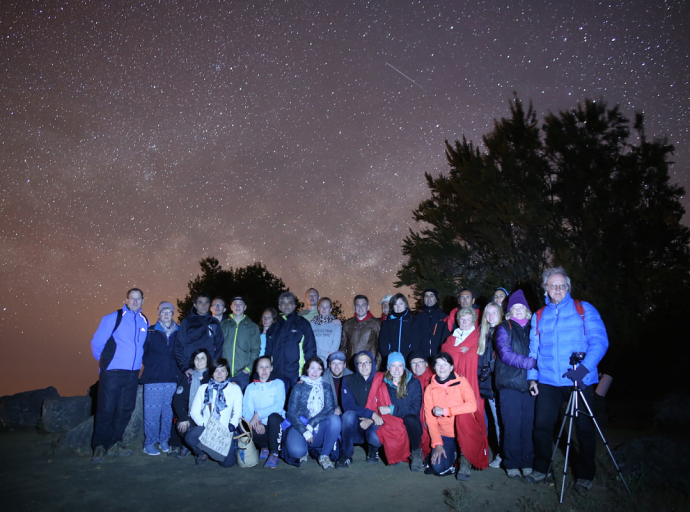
[
  {"x": 424, "y": 379},
  {"x": 455, "y": 397},
  {"x": 392, "y": 433}
]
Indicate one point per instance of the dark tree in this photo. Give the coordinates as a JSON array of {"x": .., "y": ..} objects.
[
  {"x": 338, "y": 311},
  {"x": 255, "y": 283}
]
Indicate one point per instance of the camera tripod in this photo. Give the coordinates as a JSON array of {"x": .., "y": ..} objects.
[{"x": 571, "y": 412}]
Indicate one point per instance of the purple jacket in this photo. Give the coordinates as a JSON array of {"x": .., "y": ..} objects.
[{"x": 512, "y": 345}]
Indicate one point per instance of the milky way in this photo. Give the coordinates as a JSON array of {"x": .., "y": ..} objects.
[{"x": 138, "y": 137}]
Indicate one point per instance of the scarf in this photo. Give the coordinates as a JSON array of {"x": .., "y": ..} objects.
[
  {"x": 323, "y": 320},
  {"x": 461, "y": 336},
  {"x": 315, "y": 402},
  {"x": 522, "y": 322},
  {"x": 195, "y": 384},
  {"x": 219, "y": 403},
  {"x": 167, "y": 330}
]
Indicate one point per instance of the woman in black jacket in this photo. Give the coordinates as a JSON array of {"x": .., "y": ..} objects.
[{"x": 401, "y": 331}]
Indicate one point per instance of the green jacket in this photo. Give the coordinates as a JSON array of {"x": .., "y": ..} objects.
[{"x": 242, "y": 343}]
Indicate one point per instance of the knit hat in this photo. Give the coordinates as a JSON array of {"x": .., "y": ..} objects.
[
  {"x": 164, "y": 305},
  {"x": 417, "y": 354},
  {"x": 504, "y": 291},
  {"x": 395, "y": 357},
  {"x": 432, "y": 290},
  {"x": 517, "y": 297},
  {"x": 386, "y": 298},
  {"x": 336, "y": 356}
]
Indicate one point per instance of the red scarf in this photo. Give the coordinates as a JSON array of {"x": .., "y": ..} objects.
[
  {"x": 392, "y": 433},
  {"x": 425, "y": 379}
]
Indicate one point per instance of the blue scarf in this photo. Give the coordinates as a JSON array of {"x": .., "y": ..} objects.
[{"x": 219, "y": 404}]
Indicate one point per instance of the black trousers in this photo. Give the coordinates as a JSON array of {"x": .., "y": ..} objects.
[
  {"x": 272, "y": 434},
  {"x": 548, "y": 405},
  {"x": 117, "y": 397}
]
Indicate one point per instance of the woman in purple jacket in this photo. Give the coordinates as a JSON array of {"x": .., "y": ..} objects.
[{"x": 516, "y": 402}]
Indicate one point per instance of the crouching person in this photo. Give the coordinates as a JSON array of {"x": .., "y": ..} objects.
[
  {"x": 220, "y": 399},
  {"x": 263, "y": 403},
  {"x": 359, "y": 424}
]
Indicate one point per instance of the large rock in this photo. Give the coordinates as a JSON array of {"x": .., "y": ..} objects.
[
  {"x": 78, "y": 439},
  {"x": 24, "y": 409},
  {"x": 62, "y": 413}
]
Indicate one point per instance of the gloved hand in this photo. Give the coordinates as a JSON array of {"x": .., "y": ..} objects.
[{"x": 577, "y": 374}]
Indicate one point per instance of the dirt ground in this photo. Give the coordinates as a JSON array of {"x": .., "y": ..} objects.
[{"x": 31, "y": 479}]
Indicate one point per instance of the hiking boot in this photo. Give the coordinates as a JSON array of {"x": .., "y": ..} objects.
[
  {"x": 526, "y": 471},
  {"x": 373, "y": 455},
  {"x": 513, "y": 473},
  {"x": 150, "y": 449},
  {"x": 201, "y": 459},
  {"x": 344, "y": 462},
  {"x": 535, "y": 477},
  {"x": 184, "y": 451},
  {"x": 264, "y": 454},
  {"x": 417, "y": 460},
  {"x": 583, "y": 485},
  {"x": 496, "y": 463},
  {"x": 325, "y": 462},
  {"x": 164, "y": 446},
  {"x": 271, "y": 461},
  {"x": 119, "y": 449},
  {"x": 464, "y": 469},
  {"x": 98, "y": 455}
]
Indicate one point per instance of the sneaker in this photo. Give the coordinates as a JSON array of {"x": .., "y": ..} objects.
[
  {"x": 373, "y": 455},
  {"x": 164, "y": 446},
  {"x": 174, "y": 450},
  {"x": 535, "y": 477},
  {"x": 583, "y": 485},
  {"x": 417, "y": 462},
  {"x": 304, "y": 458},
  {"x": 119, "y": 449},
  {"x": 496, "y": 463},
  {"x": 344, "y": 462},
  {"x": 184, "y": 451},
  {"x": 264, "y": 454},
  {"x": 464, "y": 469},
  {"x": 150, "y": 449},
  {"x": 513, "y": 473},
  {"x": 98, "y": 455},
  {"x": 201, "y": 459},
  {"x": 325, "y": 462},
  {"x": 526, "y": 471},
  {"x": 271, "y": 461}
]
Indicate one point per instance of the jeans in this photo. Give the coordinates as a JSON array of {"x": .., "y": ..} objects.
[
  {"x": 517, "y": 412},
  {"x": 158, "y": 413},
  {"x": 548, "y": 405},
  {"x": 353, "y": 434},
  {"x": 117, "y": 397},
  {"x": 324, "y": 440},
  {"x": 241, "y": 379},
  {"x": 445, "y": 463}
]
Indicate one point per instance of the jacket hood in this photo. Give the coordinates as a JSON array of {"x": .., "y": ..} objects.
[{"x": 373, "y": 363}]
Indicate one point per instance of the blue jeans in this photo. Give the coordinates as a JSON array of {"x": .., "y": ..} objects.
[
  {"x": 117, "y": 397},
  {"x": 241, "y": 379},
  {"x": 352, "y": 433},
  {"x": 324, "y": 440},
  {"x": 445, "y": 463}
]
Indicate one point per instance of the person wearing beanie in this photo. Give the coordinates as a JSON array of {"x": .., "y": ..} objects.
[
  {"x": 500, "y": 295},
  {"x": 396, "y": 396},
  {"x": 385, "y": 306},
  {"x": 431, "y": 324},
  {"x": 515, "y": 401},
  {"x": 419, "y": 366},
  {"x": 333, "y": 376},
  {"x": 242, "y": 342},
  {"x": 160, "y": 382}
]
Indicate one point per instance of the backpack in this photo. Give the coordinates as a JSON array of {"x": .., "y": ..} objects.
[{"x": 578, "y": 306}]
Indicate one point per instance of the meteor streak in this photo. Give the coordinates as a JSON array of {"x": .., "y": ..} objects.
[{"x": 403, "y": 74}]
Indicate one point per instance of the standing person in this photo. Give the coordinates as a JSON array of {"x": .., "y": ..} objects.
[
  {"x": 118, "y": 346},
  {"x": 326, "y": 332},
  {"x": 290, "y": 341},
  {"x": 462, "y": 345},
  {"x": 218, "y": 309},
  {"x": 361, "y": 332},
  {"x": 400, "y": 332},
  {"x": 359, "y": 424},
  {"x": 500, "y": 296},
  {"x": 517, "y": 404},
  {"x": 263, "y": 404},
  {"x": 562, "y": 327},
  {"x": 268, "y": 318},
  {"x": 397, "y": 398},
  {"x": 311, "y": 301},
  {"x": 198, "y": 330},
  {"x": 421, "y": 371},
  {"x": 431, "y": 323},
  {"x": 221, "y": 399},
  {"x": 160, "y": 380},
  {"x": 448, "y": 396},
  {"x": 311, "y": 414},
  {"x": 486, "y": 364},
  {"x": 385, "y": 306},
  {"x": 333, "y": 376},
  {"x": 187, "y": 387},
  {"x": 242, "y": 342}
]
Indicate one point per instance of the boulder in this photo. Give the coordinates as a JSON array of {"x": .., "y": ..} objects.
[
  {"x": 62, "y": 413},
  {"x": 78, "y": 439},
  {"x": 24, "y": 409}
]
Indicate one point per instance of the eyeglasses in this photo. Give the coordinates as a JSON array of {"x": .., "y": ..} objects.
[
  {"x": 365, "y": 363},
  {"x": 554, "y": 287}
]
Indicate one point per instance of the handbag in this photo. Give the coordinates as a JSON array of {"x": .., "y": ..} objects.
[{"x": 247, "y": 454}]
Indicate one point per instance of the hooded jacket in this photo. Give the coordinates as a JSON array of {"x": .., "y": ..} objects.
[
  {"x": 197, "y": 331},
  {"x": 123, "y": 348},
  {"x": 399, "y": 333},
  {"x": 242, "y": 343},
  {"x": 290, "y": 342},
  {"x": 432, "y": 328},
  {"x": 355, "y": 390}
]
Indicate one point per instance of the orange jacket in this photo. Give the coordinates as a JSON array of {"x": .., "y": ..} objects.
[{"x": 454, "y": 397}]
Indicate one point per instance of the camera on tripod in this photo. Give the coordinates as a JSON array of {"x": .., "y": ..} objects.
[{"x": 577, "y": 357}]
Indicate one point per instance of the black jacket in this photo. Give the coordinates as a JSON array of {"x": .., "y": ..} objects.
[
  {"x": 181, "y": 398},
  {"x": 488, "y": 359},
  {"x": 195, "y": 332},
  {"x": 355, "y": 390},
  {"x": 433, "y": 329},
  {"x": 508, "y": 376},
  {"x": 412, "y": 403},
  {"x": 159, "y": 357},
  {"x": 288, "y": 340},
  {"x": 399, "y": 333}
]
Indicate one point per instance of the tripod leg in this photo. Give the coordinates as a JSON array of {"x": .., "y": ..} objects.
[
  {"x": 560, "y": 433},
  {"x": 606, "y": 444},
  {"x": 572, "y": 411}
]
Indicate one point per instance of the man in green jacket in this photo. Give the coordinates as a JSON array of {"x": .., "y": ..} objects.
[{"x": 242, "y": 343}]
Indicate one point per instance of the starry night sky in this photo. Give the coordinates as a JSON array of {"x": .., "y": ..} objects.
[{"x": 138, "y": 137}]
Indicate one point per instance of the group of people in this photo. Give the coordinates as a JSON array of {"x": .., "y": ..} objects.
[{"x": 420, "y": 389}]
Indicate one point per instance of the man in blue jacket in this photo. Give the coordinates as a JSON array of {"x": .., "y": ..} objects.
[
  {"x": 118, "y": 346},
  {"x": 563, "y": 327}
]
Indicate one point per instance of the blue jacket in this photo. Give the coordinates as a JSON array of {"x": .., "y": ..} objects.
[
  {"x": 264, "y": 398},
  {"x": 159, "y": 357},
  {"x": 563, "y": 331},
  {"x": 124, "y": 348}
]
